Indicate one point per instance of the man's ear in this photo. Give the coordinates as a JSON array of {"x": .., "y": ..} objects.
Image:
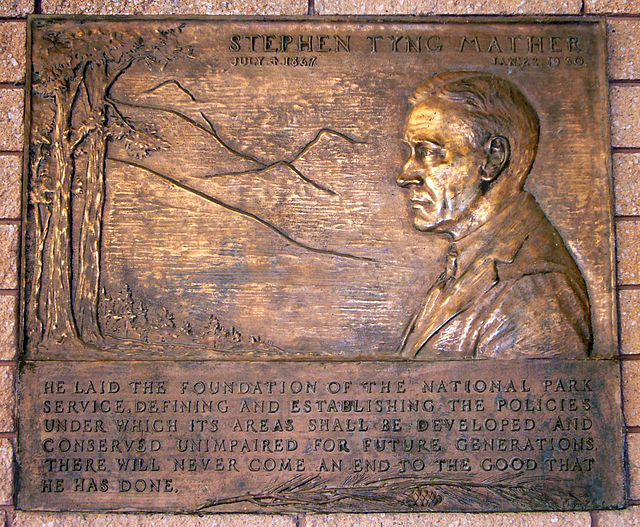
[{"x": 498, "y": 154}]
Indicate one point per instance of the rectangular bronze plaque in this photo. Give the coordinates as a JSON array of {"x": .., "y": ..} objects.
[{"x": 330, "y": 264}]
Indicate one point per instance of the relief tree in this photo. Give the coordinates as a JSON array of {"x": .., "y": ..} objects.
[
  {"x": 41, "y": 189},
  {"x": 75, "y": 71}
]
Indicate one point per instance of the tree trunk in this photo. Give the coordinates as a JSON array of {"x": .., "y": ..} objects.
[
  {"x": 88, "y": 271},
  {"x": 42, "y": 215},
  {"x": 59, "y": 324}
]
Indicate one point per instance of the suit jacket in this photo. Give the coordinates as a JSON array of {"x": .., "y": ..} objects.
[{"x": 521, "y": 295}]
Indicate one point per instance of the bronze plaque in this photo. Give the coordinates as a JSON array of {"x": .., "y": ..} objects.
[{"x": 330, "y": 264}]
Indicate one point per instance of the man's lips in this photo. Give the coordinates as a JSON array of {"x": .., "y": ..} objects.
[
  {"x": 424, "y": 200},
  {"x": 422, "y": 196}
]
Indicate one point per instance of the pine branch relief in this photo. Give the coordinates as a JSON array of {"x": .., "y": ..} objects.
[{"x": 314, "y": 493}]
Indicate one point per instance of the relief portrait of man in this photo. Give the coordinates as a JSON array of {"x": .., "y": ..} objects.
[{"x": 509, "y": 288}]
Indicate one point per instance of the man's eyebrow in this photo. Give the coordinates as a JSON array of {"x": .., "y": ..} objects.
[
  {"x": 424, "y": 141},
  {"x": 430, "y": 144}
]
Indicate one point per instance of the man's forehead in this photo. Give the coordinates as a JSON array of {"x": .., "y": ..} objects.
[
  {"x": 423, "y": 119},
  {"x": 436, "y": 120}
]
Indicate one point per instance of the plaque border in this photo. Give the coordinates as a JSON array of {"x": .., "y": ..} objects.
[{"x": 599, "y": 21}]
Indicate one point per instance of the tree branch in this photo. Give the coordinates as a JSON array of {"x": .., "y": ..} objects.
[
  {"x": 111, "y": 81},
  {"x": 211, "y": 132},
  {"x": 74, "y": 88},
  {"x": 126, "y": 121},
  {"x": 82, "y": 132},
  {"x": 86, "y": 88}
]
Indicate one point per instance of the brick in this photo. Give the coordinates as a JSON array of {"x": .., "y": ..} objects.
[
  {"x": 8, "y": 256},
  {"x": 7, "y": 398},
  {"x": 633, "y": 451},
  {"x": 10, "y": 185},
  {"x": 624, "y": 48},
  {"x": 626, "y": 177},
  {"x": 527, "y": 519},
  {"x": 628, "y": 251},
  {"x": 173, "y": 7},
  {"x": 16, "y": 7},
  {"x": 11, "y": 112},
  {"x": 444, "y": 7},
  {"x": 631, "y": 392},
  {"x": 625, "y": 119},
  {"x": 6, "y": 472},
  {"x": 629, "y": 7},
  {"x": 33, "y": 519},
  {"x": 626, "y": 518},
  {"x": 12, "y": 51},
  {"x": 8, "y": 317},
  {"x": 629, "y": 302}
]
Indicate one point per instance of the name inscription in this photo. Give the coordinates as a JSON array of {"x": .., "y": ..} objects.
[
  {"x": 405, "y": 43},
  {"x": 522, "y": 51}
]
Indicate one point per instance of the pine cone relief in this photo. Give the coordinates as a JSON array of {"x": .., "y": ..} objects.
[{"x": 420, "y": 497}]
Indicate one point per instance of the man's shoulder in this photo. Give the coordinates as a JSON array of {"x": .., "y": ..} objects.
[
  {"x": 541, "y": 305},
  {"x": 537, "y": 315},
  {"x": 538, "y": 250}
]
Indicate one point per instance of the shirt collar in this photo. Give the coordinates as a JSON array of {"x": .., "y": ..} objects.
[{"x": 466, "y": 249}]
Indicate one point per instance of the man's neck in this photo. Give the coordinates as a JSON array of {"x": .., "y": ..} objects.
[
  {"x": 485, "y": 211},
  {"x": 474, "y": 240}
]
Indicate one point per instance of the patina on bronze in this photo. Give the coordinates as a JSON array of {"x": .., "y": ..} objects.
[{"x": 265, "y": 262}]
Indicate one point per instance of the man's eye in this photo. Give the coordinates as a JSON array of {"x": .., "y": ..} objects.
[{"x": 423, "y": 151}]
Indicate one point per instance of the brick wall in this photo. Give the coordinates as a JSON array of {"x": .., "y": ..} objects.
[{"x": 623, "y": 19}]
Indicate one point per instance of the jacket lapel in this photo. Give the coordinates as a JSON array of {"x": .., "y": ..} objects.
[{"x": 452, "y": 300}]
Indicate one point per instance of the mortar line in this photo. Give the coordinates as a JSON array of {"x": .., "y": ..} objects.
[
  {"x": 9, "y": 516},
  {"x": 625, "y": 150},
  {"x": 615, "y": 15}
]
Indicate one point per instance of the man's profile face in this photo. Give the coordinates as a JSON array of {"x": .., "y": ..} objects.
[{"x": 443, "y": 171}]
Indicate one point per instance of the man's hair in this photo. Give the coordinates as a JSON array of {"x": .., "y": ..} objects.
[{"x": 497, "y": 107}]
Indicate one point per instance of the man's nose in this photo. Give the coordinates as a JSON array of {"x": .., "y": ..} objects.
[{"x": 410, "y": 174}]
